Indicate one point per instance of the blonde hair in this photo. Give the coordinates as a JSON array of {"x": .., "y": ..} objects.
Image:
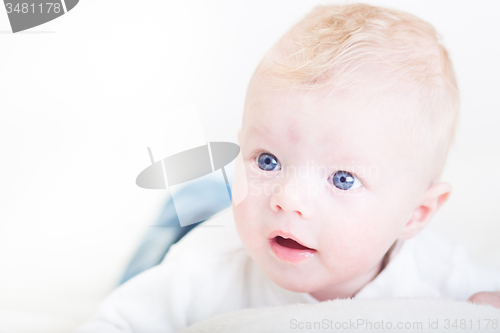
[{"x": 336, "y": 46}]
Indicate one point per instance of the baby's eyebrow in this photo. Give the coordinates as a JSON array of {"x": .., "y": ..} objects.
[
  {"x": 255, "y": 130},
  {"x": 342, "y": 159},
  {"x": 349, "y": 160}
]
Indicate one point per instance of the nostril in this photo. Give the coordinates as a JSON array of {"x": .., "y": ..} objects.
[
  {"x": 278, "y": 207},
  {"x": 297, "y": 211}
]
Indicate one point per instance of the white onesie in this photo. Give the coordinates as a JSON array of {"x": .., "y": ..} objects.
[{"x": 208, "y": 272}]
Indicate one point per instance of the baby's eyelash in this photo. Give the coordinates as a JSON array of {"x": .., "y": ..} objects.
[
  {"x": 345, "y": 180},
  {"x": 268, "y": 162},
  {"x": 258, "y": 152}
]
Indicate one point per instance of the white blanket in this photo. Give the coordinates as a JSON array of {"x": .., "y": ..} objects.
[{"x": 365, "y": 315}]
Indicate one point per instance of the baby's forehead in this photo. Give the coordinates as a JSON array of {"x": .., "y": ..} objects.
[
  {"x": 354, "y": 126},
  {"x": 367, "y": 109}
]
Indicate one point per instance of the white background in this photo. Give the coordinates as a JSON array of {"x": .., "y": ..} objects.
[{"x": 73, "y": 92}]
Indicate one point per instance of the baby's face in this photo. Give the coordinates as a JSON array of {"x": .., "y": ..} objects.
[{"x": 332, "y": 174}]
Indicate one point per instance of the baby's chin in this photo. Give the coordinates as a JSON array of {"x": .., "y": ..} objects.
[
  {"x": 297, "y": 279},
  {"x": 297, "y": 285}
]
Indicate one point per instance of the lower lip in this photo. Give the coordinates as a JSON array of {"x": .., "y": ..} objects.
[{"x": 290, "y": 255}]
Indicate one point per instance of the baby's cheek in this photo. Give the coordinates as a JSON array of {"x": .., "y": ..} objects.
[
  {"x": 247, "y": 227},
  {"x": 242, "y": 222},
  {"x": 351, "y": 251},
  {"x": 241, "y": 179}
]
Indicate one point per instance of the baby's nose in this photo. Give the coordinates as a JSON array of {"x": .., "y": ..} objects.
[{"x": 292, "y": 195}]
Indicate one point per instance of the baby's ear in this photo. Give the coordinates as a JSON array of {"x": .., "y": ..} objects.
[{"x": 434, "y": 197}]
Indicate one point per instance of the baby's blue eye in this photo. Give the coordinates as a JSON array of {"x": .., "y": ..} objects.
[
  {"x": 345, "y": 181},
  {"x": 268, "y": 162}
]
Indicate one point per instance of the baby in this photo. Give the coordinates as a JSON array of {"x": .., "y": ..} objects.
[{"x": 347, "y": 123}]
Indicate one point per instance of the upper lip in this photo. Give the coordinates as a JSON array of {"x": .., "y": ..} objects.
[{"x": 288, "y": 235}]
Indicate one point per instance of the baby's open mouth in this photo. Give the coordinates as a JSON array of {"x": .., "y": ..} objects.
[
  {"x": 290, "y": 243},
  {"x": 290, "y": 250},
  {"x": 287, "y": 247}
]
